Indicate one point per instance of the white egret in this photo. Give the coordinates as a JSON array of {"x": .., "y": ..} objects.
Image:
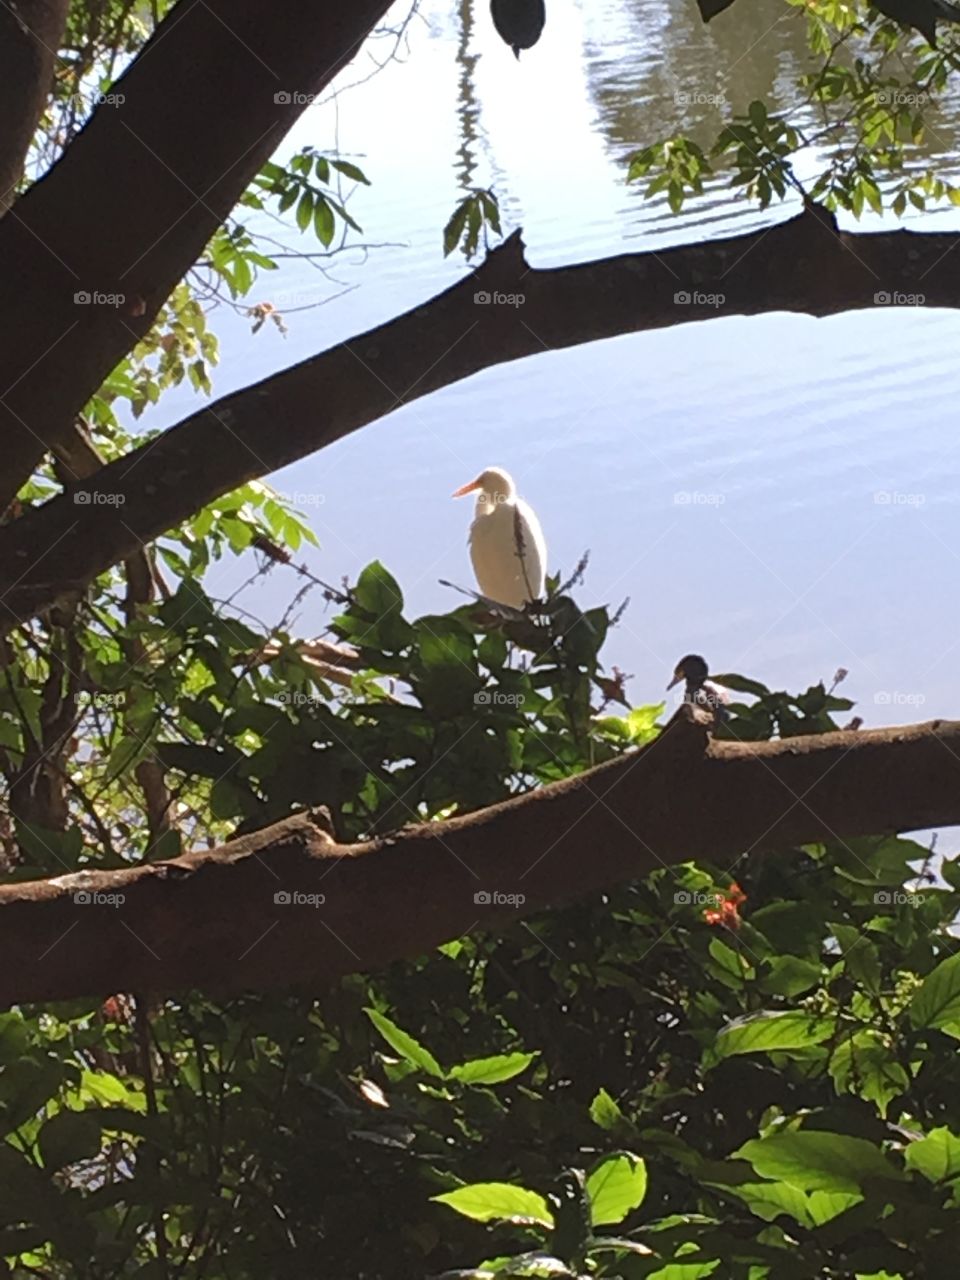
[
  {"x": 699, "y": 690},
  {"x": 507, "y": 547}
]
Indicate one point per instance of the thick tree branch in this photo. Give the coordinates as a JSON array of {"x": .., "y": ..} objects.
[
  {"x": 803, "y": 265},
  {"x": 30, "y": 35},
  {"x": 130, "y": 206},
  {"x": 212, "y": 919}
]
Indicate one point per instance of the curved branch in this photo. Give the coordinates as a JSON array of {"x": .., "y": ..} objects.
[
  {"x": 213, "y": 919},
  {"x": 802, "y": 265}
]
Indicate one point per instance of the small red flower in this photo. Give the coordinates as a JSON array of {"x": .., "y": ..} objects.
[{"x": 727, "y": 914}]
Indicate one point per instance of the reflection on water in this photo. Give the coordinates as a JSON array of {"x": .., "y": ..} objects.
[
  {"x": 656, "y": 70},
  {"x": 780, "y": 493}
]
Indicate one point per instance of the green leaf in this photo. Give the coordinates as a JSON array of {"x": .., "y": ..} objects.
[
  {"x": 323, "y": 222},
  {"x": 351, "y": 171},
  {"x": 454, "y": 228},
  {"x": 768, "y": 1200},
  {"x": 377, "y": 591},
  {"x": 494, "y": 1070},
  {"x": 937, "y": 1156},
  {"x": 498, "y": 1201},
  {"x": 740, "y": 684},
  {"x": 818, "y": 1161},
  {"x": 604, "y": 1111},
  {"x": 305, "y": 210},
  {"x": 757, "y": 112},
  {"x": 405, "y": 1044},
  {"x": 615, "y": 1187},
  {"x": 790, "y": 976},
  {"x": 938, "y": 1000},
  {"x": 768, "y": 1031},
  {"x": 642, "y": 722}
]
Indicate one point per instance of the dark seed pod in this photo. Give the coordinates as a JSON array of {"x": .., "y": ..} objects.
[{"x": 518, "y": 22}]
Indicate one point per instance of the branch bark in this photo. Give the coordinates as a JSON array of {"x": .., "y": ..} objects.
[
  {"x": 212, "y": 919},
  {"x": 130, "y": 206},
  {"x": 803, "y": 265},
  {"x": 30, "y": 35}
]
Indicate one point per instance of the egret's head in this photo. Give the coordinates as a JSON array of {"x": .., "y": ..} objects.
[
  {"x": 491, "y": 486},
  {"x": 692, "y": 668}
]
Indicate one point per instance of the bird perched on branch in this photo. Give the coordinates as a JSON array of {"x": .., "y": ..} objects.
[
  {"x": 699, "y": 689},
  {"x": 518, "y": 22},
  {"x": 507, "y": 546}
]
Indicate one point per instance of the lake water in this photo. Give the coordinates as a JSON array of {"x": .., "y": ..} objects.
[{"x": 779, "y": 493}]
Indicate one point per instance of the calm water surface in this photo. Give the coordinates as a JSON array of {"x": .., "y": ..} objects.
[{"x": 780, "y": 493}]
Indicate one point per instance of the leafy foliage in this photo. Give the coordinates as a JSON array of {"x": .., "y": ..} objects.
[
  {"x": 618, "y": 1089},
  {"x": 873, "y": 94}
]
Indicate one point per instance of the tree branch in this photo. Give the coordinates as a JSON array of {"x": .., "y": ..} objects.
[
  {"x": 802, "y": 265},
  {"x": 130, "y": 206},
  {"x": 212, "y": 919},
  {"x": 30, "y": 35}
]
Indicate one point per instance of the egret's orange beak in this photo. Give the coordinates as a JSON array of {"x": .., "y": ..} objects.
[
  {"x": 677, "y": 677},
  {"x": 464, "y": 489}
]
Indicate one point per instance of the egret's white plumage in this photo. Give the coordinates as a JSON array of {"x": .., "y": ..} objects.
[{"x": 507, "y": 547}]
